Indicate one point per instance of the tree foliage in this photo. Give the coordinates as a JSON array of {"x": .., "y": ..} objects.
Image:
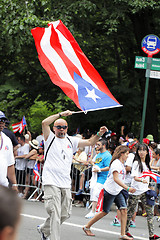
[{"x": 110, "y": 34}]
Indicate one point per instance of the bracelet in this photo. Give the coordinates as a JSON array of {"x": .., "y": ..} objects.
[
  {"x": 14, "y": 185},
  {"x": 98, "y": 134},
  {"x": 60, "y": 115},
  {"x": 128, "y": 189}
]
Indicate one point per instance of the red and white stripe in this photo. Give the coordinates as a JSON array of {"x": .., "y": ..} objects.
[
  {"x": 61, "y": 56},
  {"x": 150, "y": 174},
  {"x": 16, "y": 127}
]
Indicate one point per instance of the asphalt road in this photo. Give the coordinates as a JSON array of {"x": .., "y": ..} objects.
[{"x": 33, "y": 214}]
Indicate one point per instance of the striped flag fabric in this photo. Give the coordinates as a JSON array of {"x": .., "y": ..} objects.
[
  {"x": 69, "y": 68},
  {"x": 36, "y": 172},
  {"x": 154, "y": 176},
  {"x": 99, "y": 207},
  {"x": 19, "y": 126}
]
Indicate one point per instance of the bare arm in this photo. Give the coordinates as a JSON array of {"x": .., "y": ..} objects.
[
  {"x": 120, "y": 183},
  {"x": 12, "y": 177},
  {"x": 102, "y": 169},
  {"x": 140, "y": 180},
  {"x": 49, "y": 120},
  {"x": 91, "y": 141},
  {"x": 31, "y": 153},
  {"x": 128, "y": 168}
]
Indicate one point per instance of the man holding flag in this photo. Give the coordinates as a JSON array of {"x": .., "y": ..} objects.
[{"x": 59, "y": 149}]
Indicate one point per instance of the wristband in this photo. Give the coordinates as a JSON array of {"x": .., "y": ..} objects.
[
  {"x": 14, "y": 185},
  {"x": 128, "y": 189},
  {"x": 60, "y": 115},
  {"x": 141, "y": 180},
  {"x": 99, "y": 170},
  {"x": 98, "y": 134}
]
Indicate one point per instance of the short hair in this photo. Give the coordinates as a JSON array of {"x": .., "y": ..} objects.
[
  {"x": 10, "y": 207},
  {"x": 104, "y": 142},
  {"x": 22, "y": 138},
  {"x": 157, "y": 151}
]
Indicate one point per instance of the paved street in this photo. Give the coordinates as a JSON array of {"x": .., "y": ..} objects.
[{"x": 33, "y": 213}]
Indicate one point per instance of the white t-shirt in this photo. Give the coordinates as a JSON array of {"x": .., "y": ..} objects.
[
  {"x": 57, "y": 166},
  {"x": 110, "y": 185},
  {"x": 129, "y": 163},
  {"x": 6, "y": 158},
  {"x": 21, "y": 162},
  {"x": 139, "y": 186}
]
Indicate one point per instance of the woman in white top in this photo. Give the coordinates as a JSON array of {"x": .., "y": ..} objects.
[
  {"x": 140, "y": 164},
  {"x": 113, "y": 191}
]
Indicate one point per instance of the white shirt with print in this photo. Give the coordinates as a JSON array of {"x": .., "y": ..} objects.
[
  {"x": 6, "y": 158},
  {"x": 57, "y": 166},
  {"x": 110, "y": 185},
  {"x": 139, "y": 186}
]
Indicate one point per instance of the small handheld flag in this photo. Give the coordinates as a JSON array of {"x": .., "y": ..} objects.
[
  {"x": 36, "y": 172},
  {"x": 100, "y": 201},
  {"x": 19, "y": 126},
  {"x": 68, "y": 68},
  {"x": 154, "y": 176}
]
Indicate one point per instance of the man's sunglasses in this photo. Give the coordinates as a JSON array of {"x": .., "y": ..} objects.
[
  {"x": 59, "y": 127},
  {"x": 2, "y": 120}
]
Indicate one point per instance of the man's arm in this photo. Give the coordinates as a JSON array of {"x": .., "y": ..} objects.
[
  {"x": 91, "y": 141},
  {"x": 12, "y": 177},
  {"x": 49, "y": 120}
]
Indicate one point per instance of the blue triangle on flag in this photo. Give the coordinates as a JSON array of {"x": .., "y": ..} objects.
[
  {"x": 91, "y": 98},
  {"x": 158, "y": 180}
]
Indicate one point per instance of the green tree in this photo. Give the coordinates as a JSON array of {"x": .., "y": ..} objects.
[{"x": 110, "y": 34}]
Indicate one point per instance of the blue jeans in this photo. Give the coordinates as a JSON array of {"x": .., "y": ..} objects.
[{"x": 119, "y": 200}]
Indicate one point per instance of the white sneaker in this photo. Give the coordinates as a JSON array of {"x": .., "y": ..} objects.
[
  {"x": 20, "y": 195},
  {"x": 90, "y": 214}
]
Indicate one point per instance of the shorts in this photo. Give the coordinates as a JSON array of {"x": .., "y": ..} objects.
[
  {"x": 30, "y": 171},
  {"x": 119, "y": 200},
  {"x": 94, "y": 192}
]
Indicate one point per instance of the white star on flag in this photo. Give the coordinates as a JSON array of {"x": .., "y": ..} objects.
[{"x": 91, "y": 94}]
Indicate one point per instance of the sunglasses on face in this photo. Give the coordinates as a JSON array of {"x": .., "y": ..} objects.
[
  {"x": 59, "y": 127},
  {"x": 2, "y": 120}
]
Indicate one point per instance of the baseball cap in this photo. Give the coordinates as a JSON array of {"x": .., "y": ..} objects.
[
  {"x": 2, "y": 115},
  {"x": 113, "y": 134},
  {"x": 151, "y": 196},
  {"x": 146, "y": 141},
  {"x": 150, "y": 138}
]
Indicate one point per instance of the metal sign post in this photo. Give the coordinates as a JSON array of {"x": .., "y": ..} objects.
[{"x": 150, "y": 45}]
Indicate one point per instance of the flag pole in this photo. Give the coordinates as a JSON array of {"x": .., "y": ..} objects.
[{"x": 79, "y": 112}]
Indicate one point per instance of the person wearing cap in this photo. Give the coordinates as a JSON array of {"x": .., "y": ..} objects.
[
  {"x": 59, "y": 149},
  {"x": 34, "y": 149},
  {"x": 147, "y": 142},
  {"x": 150, "y": 138},
  {"x": 7, "y": 170}
]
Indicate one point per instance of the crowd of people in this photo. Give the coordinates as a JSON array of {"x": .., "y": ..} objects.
[{"x": 79, "y": 167}]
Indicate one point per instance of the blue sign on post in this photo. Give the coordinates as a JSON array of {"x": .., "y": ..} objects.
[{"x": 151, "y": 45}]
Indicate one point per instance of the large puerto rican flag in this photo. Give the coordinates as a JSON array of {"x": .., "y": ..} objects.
[{"x": 68, "y": 68}]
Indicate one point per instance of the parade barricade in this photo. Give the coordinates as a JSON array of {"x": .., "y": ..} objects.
[{"x": 80, "y": 176}]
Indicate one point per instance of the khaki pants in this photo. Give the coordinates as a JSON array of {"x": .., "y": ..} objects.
[{"x": 58, "y": 205}]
